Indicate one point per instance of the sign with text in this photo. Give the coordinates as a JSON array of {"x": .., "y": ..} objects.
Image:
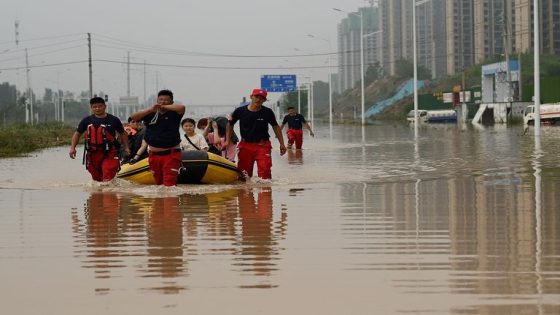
[{"x": 279, "y": 82}]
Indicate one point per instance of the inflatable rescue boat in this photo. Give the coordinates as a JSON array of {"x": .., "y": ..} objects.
[{"x": 199, "y": 167}]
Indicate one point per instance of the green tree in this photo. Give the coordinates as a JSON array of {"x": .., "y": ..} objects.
[{"x": 12, "y": 107}]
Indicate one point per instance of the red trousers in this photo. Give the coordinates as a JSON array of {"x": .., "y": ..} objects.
[
  {"x": 295, "y": 135},
  {"x": 103, "y": 166},
  {"x": 251, "y": 152},
  {"x": 165, "y": 167}
]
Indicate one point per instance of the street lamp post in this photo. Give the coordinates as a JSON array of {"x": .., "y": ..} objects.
[
  {"x": 537, "y": 69},
  {"x": 361, "y": 16},
  {"x": 310, "y": 107},
  {"x": 330, "y": 75}
]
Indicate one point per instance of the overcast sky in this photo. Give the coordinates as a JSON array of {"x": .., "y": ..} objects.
[{"x": 182, "y": 34}]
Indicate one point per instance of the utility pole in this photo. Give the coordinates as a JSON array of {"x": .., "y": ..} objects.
[
  {"x": 90, "y": 68},
  {"x": 128, "y": 74},
  {"x": 29, "y": 91}
]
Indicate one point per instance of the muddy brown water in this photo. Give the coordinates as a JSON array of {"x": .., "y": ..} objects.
[{"x": 455, "y": 221}]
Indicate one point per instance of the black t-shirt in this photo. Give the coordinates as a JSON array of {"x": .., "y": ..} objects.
[
  {"x": 164, "y": 132},
  {"x": 137, "y": 143},
  {"x": 294, "y": 122},
  {"x": 254, "y": 125},
  {"x": 112, "y": 124}
]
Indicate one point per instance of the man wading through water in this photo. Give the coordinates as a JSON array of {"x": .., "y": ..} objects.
[
  {"x": 255, "y": 145},
  {"x": 162, "y": 122},
  {"x": 101, "y": 145}
]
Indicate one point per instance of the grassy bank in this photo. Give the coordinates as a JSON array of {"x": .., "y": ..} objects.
[{"x": 18, "y": 140}]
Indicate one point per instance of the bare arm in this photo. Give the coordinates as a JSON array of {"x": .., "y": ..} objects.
[
  {"x": 138, "y": 116},
  {"x": 178, "y": 108},
  {"x": 278, "y": 133},
  {"x": 74, "y": 142},
  {"x": 140, "y": 151},
  {"x": 205, "y": 131},
  {"x": 309, "y": 128},
  {"x": 229, "y": 132},
  {"x": 124, "y": 139}
]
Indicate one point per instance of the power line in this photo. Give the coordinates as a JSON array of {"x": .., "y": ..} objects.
[{"x": 41, "y": 38}]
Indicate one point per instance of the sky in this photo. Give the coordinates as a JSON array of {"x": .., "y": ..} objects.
[{"x": 207, "y": 52}]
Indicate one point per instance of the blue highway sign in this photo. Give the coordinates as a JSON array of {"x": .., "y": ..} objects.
[{"x": 279, "y": 82}]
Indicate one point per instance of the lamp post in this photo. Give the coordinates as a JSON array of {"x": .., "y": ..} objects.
[
  {"x": 310, "y": 107},
  {"x": 415, "y": 83},
  {"x": 361, "y": 16},
  {"x": 537, "y": 69},
  {"x": 330, "y": 74}
]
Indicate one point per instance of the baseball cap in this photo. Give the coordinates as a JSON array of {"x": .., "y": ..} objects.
[{"x": 260, "y": 92}]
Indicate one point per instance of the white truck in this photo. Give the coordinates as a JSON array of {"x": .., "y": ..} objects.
[
  {"x": 433, "y": 116},
  {"x": 550, "y": 114}
]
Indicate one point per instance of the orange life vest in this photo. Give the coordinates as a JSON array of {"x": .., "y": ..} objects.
[
  {"x": 98, "y": 138},
  {"x": 130, "y": 131}
]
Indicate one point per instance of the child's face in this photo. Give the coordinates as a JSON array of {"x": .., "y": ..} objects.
[{"x": 188, "y": 128}]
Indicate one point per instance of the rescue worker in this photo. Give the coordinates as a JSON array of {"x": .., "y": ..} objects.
[
  {"x": 101, "y": 145},
  {"x": 295, "y": 122},
  {"x": 162, "y": 122},
  {"x": 255, "y": 143}
]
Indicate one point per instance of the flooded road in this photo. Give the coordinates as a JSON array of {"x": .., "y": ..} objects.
[{"x": 456, "y": 221}]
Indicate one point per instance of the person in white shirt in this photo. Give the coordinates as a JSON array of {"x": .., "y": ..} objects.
[{"x": 192, "y": 140}]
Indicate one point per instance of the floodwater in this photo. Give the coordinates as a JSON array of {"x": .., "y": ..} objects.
[{"x": 455, "y": 221}]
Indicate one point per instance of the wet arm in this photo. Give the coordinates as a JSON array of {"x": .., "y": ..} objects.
[
  {"x": 178, "y": 108},
  {"x": 309, "y": 128},
  {"x": 229, "y": 132},
  {"x": 124, "y": 139},
  {"x": 138, "y": 116},
  {"x": 278, "y": 133},
  {"x": 74, "y": 142}
]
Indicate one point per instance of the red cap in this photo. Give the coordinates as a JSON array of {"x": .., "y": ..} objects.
[{"x": 260, "y": 92}]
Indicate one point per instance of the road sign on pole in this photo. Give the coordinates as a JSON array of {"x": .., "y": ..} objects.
[{"x": 279, "y": 82}]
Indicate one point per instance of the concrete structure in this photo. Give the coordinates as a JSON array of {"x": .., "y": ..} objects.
[{"x": 349, "y": 47}]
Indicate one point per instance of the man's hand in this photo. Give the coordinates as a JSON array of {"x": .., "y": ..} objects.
[
  {"x": 72, "y": 153},
  {"x": 156, "y": 107},
  {"x": 127, "y": 151},
  {"x": 311, "y": 133},
  {"x": 282, "y": 149}
]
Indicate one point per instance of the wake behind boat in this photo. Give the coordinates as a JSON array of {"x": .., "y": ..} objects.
[{"x": 198, "y": 167}]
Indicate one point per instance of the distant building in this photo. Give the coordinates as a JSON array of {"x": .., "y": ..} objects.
[
  {"x": 460, "y": 35},
  {"x": 522, "y": 18},
  {"x": 431, "y": 37},
  {"x": 349, "y": 62},
  {"x": 396, "y": 32}
]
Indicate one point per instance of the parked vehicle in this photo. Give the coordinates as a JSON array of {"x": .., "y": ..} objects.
[
  {"x": 421, "y": 116},
  {"x": 550, "y": 114},
  {"x": 433, "y": 116}
]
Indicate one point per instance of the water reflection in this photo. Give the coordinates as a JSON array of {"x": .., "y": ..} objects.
[
  {"x": 492, "y": 239},
  {"x": 161, "y": 238},
  {"x": 295, "y": 157},
  {"x": 259, "y": 248}
]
